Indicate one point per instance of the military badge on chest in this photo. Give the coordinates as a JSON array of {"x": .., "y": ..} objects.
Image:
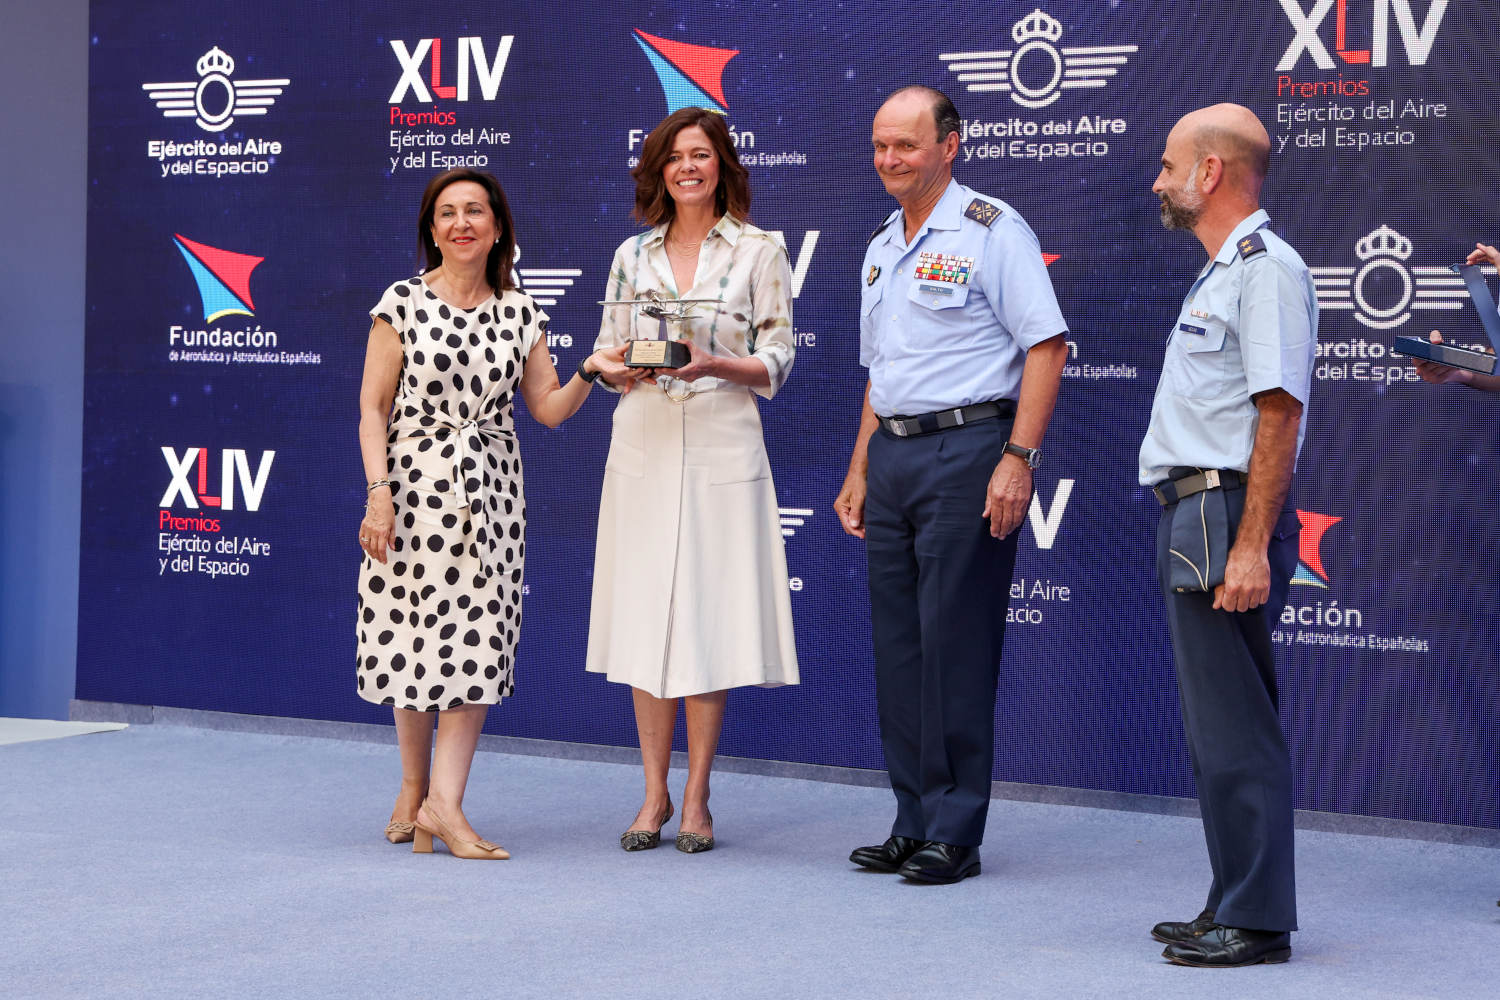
[
  {"x": 874, "y": 273},
  {"x": 942, "y": 273}
]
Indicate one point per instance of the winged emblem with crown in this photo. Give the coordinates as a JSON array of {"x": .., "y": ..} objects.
[
  {"x": 1037, "y": 70},
  {"x": 214, "y": 99}
]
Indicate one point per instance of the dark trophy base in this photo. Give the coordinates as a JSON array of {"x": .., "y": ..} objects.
[{"x": 657, "y": 354}]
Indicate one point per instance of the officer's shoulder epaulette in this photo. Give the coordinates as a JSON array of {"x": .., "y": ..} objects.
[
  {"x": 881, "y": 228},
  {"x": 1251, "y": 245},
  {"x": 983, "y": 212}
]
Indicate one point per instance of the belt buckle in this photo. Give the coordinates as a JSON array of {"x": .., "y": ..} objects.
[
  {"x": 1211, "y": 479},
  {"x": 898, "y": 427},
  {"x": 665, "y": 384}
]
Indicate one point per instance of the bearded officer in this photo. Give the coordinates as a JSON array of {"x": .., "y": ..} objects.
[
  {"x": 1226, "y": 427},
  {"x": 964, "y": 343}
]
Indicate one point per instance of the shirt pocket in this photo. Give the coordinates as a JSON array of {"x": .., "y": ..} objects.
[
  {"x": 1201, "y": 366},
  {"x": 937, "y": 295},
  {"x": 870, "y": 296}
]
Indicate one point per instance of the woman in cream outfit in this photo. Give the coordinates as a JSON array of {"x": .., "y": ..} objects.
[{"x": 690, "y": 583}]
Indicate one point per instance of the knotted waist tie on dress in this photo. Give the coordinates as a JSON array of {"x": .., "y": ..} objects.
[{"x": 471, "y": 478}]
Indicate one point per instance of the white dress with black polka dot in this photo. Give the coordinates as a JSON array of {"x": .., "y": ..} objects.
[{"x": 438, "y": 622}]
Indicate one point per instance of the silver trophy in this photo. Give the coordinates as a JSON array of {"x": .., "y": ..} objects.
[{"x": 666, "y": 352}]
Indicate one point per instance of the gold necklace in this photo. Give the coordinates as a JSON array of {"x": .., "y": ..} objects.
[{"x": 682, "y": 248}]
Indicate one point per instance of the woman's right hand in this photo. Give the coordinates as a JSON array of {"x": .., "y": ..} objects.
[
  {"x": 378, "y": 528},
  {"x": 612, "y": 368},
  {"x": 1484, "y": 252},
  {"x": 1439, "y": 374}
]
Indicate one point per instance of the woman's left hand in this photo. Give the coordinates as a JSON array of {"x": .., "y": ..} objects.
[
  {"x": 378, "y": 528},
  {"x": 701, "y": 365}
]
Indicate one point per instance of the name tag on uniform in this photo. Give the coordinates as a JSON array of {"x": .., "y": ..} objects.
[
  {"x": 1197, "y": 331},
  {"x": 943, "y": 267}
]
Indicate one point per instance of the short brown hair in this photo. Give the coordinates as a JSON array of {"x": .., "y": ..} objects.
[
  {"x": 502, "y": 255},
  {"x": 653, "y": 204}
]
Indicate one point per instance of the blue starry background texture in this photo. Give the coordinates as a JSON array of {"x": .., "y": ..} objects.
[{"x": 1087, "y": 696}]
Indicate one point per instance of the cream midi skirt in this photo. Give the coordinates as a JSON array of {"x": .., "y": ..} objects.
[{"x": 690, "y": 581}]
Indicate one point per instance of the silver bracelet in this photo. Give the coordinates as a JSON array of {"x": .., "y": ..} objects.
[{"x": 379, "y": 482}]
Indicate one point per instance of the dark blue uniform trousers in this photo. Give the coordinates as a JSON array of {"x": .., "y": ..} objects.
[
  {"x": 939, "y": 591},
  {"x": 1226, "y": 680}
]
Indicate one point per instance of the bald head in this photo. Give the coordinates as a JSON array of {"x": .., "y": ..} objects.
[
  {"x": 1211, "y": 172},
  {"x": 1235, "y": 135},
  {"x": 944, "y": 115}
]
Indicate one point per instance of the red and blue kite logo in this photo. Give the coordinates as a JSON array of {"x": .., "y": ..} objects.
[
  {"x": 1310, "y": 571},
  {"x": 223, "y": 278},
  {"x": 692, "y": 76}
]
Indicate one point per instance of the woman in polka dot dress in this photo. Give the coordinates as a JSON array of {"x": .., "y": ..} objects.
[{"x": 444, "y": 527}]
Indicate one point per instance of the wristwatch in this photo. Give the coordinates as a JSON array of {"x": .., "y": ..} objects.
[
  {"x": 585, "y": 374},
  {"x": 1033, "y": 456}
]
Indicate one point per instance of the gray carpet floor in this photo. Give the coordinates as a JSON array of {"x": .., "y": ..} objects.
[{"x": 167, "y": 861}]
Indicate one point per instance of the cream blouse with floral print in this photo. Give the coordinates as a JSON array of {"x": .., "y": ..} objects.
[{"x": 742, "y": 265}]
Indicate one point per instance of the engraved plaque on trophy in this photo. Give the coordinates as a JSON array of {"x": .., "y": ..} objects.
[{"x": 657, "y": 354}]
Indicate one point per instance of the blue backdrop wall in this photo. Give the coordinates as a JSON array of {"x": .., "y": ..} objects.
[
  {"x": 253, "y": 181},
  {"x": 44, "y": 72}
]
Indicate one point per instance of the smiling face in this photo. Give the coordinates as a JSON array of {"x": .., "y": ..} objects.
[
  {"x": 463, "y": 224},
  {"x": 912, "y": 163},
  {"x": 691, "y": 172}
]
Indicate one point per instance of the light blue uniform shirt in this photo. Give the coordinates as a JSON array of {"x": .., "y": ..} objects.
[
  {"x": 946, "y": 320},
  {"x": 1249, "y": 324}
]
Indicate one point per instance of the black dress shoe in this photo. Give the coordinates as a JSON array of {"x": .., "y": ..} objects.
[
  {"x": 941, "y": 864},
  {"x": 1172, "y": 931},
  {"x": 889, "y": 856},
  {"x": 1231, "y": 947}
]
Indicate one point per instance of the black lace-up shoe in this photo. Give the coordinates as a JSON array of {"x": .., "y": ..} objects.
[
  {"x": 941, "y": 864},
  {"x": 889, "y": 856},
  {"x": 1230, "y": 948},
  {"x": 1173, "y": 931}
]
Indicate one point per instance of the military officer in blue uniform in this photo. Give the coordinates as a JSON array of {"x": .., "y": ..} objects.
[
  {"x": 1226, "y": 427},
  {"x": 964, "y": 343}
]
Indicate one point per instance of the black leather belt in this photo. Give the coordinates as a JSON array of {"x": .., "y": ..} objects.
[
  {"x": 926, "y": 423},
  {"x": 1169, "y": 491}
]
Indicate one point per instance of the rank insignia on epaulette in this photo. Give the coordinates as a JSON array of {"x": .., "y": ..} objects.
[
  {"x": 874, "y": 273},
  {"x": 1251, "y": 245},
  {"x": 982, "y": 212}
]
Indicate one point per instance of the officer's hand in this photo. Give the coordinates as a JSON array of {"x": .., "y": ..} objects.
[
  {"x": 1431, "y": 371},
  {"x": 1485, "y": 252},
  {"x": 850, "y": 505},
  {"x": 1009, "y": 496},
  {"x": 1247, "y": 581}
]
